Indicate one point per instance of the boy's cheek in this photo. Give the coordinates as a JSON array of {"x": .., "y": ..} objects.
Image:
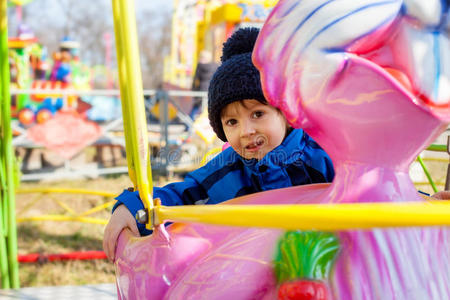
[{"x": 238, "y": 149}]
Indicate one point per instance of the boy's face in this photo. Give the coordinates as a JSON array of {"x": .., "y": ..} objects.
[{"x": 253, "y": 129}]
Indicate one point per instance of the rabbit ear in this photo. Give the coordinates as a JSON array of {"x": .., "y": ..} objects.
[
  {"x": 296, "y": 29},
  {"x": 303, "y": 34},
  {"x": 425, "y": 13},
  {"x": 360, "y": 103}
]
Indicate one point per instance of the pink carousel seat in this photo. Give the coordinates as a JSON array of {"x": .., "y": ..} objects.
[{"x": 360, "y": 77}]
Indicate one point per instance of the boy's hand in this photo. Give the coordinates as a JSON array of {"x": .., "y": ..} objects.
[
  {"x": 120, "y": 219},
  {"x": 442, "y": 195}
]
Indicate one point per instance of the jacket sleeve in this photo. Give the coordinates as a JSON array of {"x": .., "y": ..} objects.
[
  {"x": 330, "y": 169},
  {"x": 178, "y": 193},
  {"x": 318, "y": 159}
]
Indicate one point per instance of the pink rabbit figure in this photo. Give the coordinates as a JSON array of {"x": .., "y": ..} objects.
[{"x": 368, "y": 80}]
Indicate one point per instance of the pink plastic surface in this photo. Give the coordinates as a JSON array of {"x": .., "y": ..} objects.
[{"x": 356, "y": 76}]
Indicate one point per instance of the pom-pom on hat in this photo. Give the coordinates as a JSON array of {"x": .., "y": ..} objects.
[{"x": 235, "y": 79}]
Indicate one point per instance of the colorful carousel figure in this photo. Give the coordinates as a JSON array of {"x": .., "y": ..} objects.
[{"x": 369, "y": 81}]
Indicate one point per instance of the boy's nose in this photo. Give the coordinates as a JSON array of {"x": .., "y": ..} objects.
[{"x": 247, "y": 128}]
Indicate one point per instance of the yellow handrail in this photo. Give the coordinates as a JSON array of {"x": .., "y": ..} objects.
[
  {"x": 327, "y": 217},
  {"x": 135, "y": 122}
]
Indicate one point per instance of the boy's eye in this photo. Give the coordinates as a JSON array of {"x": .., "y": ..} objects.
[
  {"x": 257, "y": 114},
  {"x": 230, "y": 122}
]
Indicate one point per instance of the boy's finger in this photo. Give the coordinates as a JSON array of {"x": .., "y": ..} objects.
[
  {"x": 109, "y": 243},
  {"x": 112, "y": 243},
  {"x": 109, "y": 253},
  {"x": 134, "y": 229},
  {"x": 105, "y": 243},
  {"x": 106, "y": 248}
]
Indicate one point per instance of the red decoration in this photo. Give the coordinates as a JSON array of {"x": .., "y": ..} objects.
[
  {"x": 26, "y": 116},
  {"x": 303, "y": 290},
  {"x": 78, "y": 255},
  {"x": 66, "y": 133},
  {"x": 43, "y": 116}
]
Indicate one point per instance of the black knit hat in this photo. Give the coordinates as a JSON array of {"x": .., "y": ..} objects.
[{"x": 236, "y": 78}]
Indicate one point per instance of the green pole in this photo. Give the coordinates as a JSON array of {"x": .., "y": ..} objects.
[
  {"x": 438, "y": 148},
  {"x": 4, "y": 270},
  {"x": 10, "y": 215},
  {"x": 425, "y": 170}
]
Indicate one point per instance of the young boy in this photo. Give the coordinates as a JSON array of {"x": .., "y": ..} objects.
[{"x": 265, "y": 153}]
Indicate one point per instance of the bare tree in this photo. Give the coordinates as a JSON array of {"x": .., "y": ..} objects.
[
  {"x": 88, "y": 22},
  {"x": 155, "y": 40}
]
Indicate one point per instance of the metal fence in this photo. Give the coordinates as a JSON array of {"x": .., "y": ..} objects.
[{"x": 181, "y": 100}]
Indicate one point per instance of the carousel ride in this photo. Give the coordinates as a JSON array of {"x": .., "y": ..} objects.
[{"x": 368, "y": 80}]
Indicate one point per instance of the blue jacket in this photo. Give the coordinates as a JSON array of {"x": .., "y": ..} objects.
[{"x": 298, "y": 160}]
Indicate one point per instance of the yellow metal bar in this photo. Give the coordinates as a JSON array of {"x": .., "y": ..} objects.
[
  {"x": 65, "y": 191},
  {"x": 135, "y": 121},
  {"x": 208, "y": 155},
  {"x": 65, "y": 207},
  {"x": 98, "y": 208},
  {"x": 30, "y": 204},
  {"x": 327, "y": 217},
  {"x": 61, "y": 218},
  {"x": 444, "y": 160},
  {"x": 439, "y": 183},
  {"x": 124, "y": 94}
]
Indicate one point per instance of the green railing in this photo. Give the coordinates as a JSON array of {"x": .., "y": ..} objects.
[
  {"x": 9, "y": 267},
  {"x": 437, "y": 148}
]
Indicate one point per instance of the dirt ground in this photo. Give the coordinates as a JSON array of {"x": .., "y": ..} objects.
[{"x": 49, "y": 237}]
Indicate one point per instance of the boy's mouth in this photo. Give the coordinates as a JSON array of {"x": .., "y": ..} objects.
[{"x": 254, "y": 146}]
